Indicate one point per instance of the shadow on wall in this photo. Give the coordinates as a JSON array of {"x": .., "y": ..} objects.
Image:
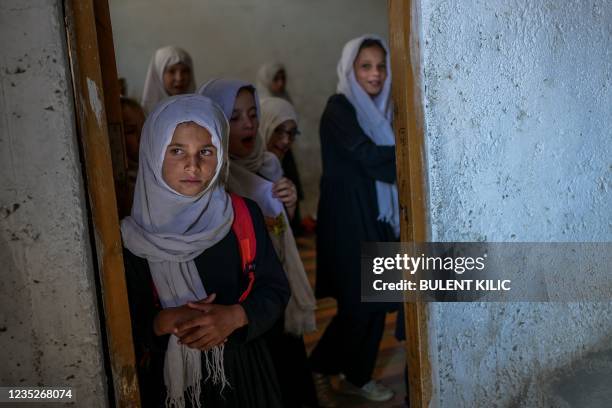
[
  {"x": 583, "y": 383},
  {"x": 588, "y": 382},
  {"x": 16, "y": 337}
]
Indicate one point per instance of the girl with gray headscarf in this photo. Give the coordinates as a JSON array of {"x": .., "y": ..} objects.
[
  {"x": 195, "y": 343},
  {"x": 257, "y": 174},
  {"x": 170, "y": 73},
  {"x": 358, "y": 203}
]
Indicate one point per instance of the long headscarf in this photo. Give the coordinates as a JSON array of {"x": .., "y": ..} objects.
[
  {"x": 154, "y": 90},
  {"x": 170, "y": 230},
  {"x": 265, "y": 77},
  {"x": 253, "y": 177},
  {"x": 274, "y": 111},
  {"x": 374, "y": 116}
]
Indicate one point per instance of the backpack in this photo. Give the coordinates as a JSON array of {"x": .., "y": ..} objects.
[{"x": 247, "y": 243}]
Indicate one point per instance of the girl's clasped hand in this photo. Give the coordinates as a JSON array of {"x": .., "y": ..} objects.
[
  {"x": 286, "y": 192},
  {"x": 201, "y": 325}
]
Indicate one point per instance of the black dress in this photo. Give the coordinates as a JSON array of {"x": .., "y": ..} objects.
[
  {"x": 247, "y": 362},
  {"x": 347, "y": 216},
  {"x": 290, "y": 360},
  {"x": 348, "y": 209}
]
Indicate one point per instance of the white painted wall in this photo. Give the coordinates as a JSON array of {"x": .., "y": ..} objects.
[
  {"x": 518, "y": 108},
  {"x": 49, "y": 331},
  {"x": 232, "y": 38}
]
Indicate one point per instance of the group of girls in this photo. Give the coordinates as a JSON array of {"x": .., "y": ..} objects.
[{"x": 218, "y": 295}]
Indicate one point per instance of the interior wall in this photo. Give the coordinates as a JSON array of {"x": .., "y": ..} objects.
[
  {"x": 49, "y": 331},
  {"x": 518, "y": 114},
  {"x": 233, "y": 38}
]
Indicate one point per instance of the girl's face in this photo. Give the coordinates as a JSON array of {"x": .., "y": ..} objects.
[
  {"x": 282, "y": 138},
  {"x": 371, "y": 69},
  {"x": 279, "y": 82},
  {"x": 243, "y": 124},
  {"x": 190, "y": 160},
  {"x": 133, "y": 119},
  {"x": 177, "y": 78}
]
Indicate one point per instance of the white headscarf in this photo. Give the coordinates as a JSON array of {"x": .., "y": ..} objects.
[
  {"x": 374, "y": 116},
  {"x": 246, "y": 179},
  {"x": 265, "y": 77},
  {"x": 170, "y": 230},
  {"x": 274, "y": 111},
  {"x": 154, "y": 90}
]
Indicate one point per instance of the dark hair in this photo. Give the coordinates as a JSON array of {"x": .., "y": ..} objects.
[
  {"x": 125, "y": 101},
  {"x": 370, "y": 42},
  {"x": 249, "y": 88}
]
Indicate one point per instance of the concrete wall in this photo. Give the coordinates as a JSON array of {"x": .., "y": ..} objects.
[
  {"x": 234, "y": 37},
  {"x": 49, "y": 331},
  {"x": 518, "y": 107}
]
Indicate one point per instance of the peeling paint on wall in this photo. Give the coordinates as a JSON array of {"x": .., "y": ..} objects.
[
  {"x": 49, "y": 331},
  {"x": 94, "y": 100}
]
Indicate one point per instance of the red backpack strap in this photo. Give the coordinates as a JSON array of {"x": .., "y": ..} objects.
[{"x": 247, "y": 243}]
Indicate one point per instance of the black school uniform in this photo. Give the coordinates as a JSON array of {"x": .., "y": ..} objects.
[
  {"x": 248, "y": 366},
  {"x": 347, "y": 216}
]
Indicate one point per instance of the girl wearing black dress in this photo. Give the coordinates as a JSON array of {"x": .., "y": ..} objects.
[
  {"x": 256, "y": 173},
  {"x": 358, "y": 203},
  {"x": 198, "y": 340}
]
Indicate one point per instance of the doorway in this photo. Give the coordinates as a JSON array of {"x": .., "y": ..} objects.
[{"x": 94, "y": 48}]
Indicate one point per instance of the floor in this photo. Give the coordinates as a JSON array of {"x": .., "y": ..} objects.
[{"x": 391, "y": 358}]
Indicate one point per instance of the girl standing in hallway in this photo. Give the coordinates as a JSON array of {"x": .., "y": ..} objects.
[
  {"x": 358, "y": 203},
  {"x": 256, "y": 173},
  {"x": 197, "y": 319},
  {"x": 272, "y": 83}
]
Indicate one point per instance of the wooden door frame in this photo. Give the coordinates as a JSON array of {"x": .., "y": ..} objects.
[
  {"x": 93, "y": 68},
  {"x": 98, "y": 111},
  {"x": 406, "y": 66}
]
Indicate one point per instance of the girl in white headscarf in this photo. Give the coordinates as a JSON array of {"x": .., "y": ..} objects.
[
  {"x": 196, "y": 345},
  {"x": 278, "y": 125},
  {"x": 279, "y": 130},
  {"x": 170, "y": 73},
  {"x": 272, "y": 81},
  {"x": 257, "y": 174},
  {"x": 358, "y": 203}
]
